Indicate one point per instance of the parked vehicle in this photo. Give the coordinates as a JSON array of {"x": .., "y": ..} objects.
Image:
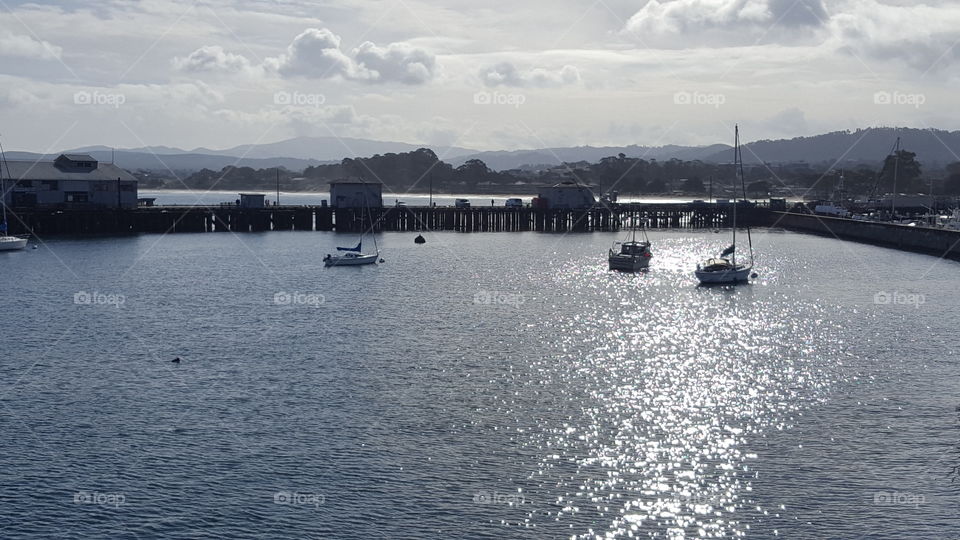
[
  {"x": 461, "y": 203},
  {"x": 514, "y": 203}
]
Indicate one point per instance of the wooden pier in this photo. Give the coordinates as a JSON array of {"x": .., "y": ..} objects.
[{"x": 170, "y": 219}]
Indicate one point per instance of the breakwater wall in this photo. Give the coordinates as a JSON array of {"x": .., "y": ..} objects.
[
  {"x": 940, "y": 242},
  {"x": 173, "y": 219}
]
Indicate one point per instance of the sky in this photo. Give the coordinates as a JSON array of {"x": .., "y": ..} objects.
[{"x": 491, "y": 75}]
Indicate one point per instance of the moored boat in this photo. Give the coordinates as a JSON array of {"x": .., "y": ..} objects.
[
  {"x": 7, "y": 242},
  {"x": 724, "y": 269},
  {"x": 630, "y": 256}
]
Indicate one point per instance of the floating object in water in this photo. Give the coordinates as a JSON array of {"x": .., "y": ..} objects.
[
  {"x": 176, "y": 360},
  {"x": 753, "y": 275},
  {"x": 419, "y": 239},
  {"x": 383, "y": 261},
  {"x": 35, "y": 246}
]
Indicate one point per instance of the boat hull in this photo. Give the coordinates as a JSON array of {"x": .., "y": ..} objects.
[
  {"x": 12, "y": 243},
  {"x": 350, "y": 261},
  {"x": 629, "y": 264},
  {"x": 740, "y": 275}
]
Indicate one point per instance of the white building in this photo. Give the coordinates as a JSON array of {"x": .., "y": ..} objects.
[
  {"x": 568, "y": 194},
  {"x": 69, "y": 181},
  {"x": 346, "y": 194}
]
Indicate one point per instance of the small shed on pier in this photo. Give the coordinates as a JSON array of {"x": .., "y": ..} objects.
[
  {"x": 251, "y": 200},
  {"x": 568, "y": 194},
  {"x": 352, "y": 194}
]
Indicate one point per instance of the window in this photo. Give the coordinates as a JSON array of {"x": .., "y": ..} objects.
[{"x": 77, "y": 197}]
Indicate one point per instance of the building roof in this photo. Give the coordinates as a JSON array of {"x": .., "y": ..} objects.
[
  {"x": 47, "y": 170},
  {"x": 77, "y": 157},
  {"x": 356, "y": 183}
]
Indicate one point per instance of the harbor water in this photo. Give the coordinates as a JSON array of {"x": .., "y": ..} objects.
[{"x": 476, "y": 386}]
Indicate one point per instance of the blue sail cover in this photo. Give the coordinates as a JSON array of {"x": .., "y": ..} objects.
[
  {"x": 357, "y": 249},
  {"x": 3, "y": 227},
  {"x": 728, "y": 251}
]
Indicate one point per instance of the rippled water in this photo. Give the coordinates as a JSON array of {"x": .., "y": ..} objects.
[{"x": 481, "y": 385}]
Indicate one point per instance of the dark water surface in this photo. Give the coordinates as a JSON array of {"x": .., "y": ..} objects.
[{"x": 478, "y": 386}]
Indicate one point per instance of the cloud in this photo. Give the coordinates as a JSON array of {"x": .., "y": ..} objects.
[
  {"x": 927, "y": 38},
  {"x": 687, "y": 23},
  {"x": 395, "y": 62},
  {"x": 316, "y": 53},
  {"x": 506, "y": 74},
  {"x": 212, "y": 58},
  {"x": 27, "y": 47},
  {"x": 791, "y": 121}
]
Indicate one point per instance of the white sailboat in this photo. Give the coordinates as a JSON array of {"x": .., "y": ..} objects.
[
  {"x": 355, "y": 256},
  {"x": 631, "y": 256},
  {"x": 7, "y": 242},
  {"x": 725, "y": 269}
]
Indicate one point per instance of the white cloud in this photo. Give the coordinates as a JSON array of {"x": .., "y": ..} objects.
[
  {"x": 395, "y": 62},
  {"x": 506, "y": 74},
  {"x": 27, "y": 47},
  {"x": 212, "y": 58},
  {"x": 927, "y": 38},
  {"x": 316, "y": 53},
  {"x": 687, "y": 23}
]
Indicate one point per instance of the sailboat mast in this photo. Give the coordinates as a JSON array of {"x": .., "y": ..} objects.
[
  {"x": 896, "y": 170},
  {"x": 743, "y": 186},
  {"x": 736, "y": 161},
  {"x": 3, "y": 186}
]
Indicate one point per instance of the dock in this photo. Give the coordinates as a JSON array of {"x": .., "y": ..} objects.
[
  {"x": 939, "y": 242},
  {"x": 196, "y": 219}
]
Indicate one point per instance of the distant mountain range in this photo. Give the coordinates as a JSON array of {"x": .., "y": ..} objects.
[
  {"x": 294, "y": 154},
  {"x": 503, "y": 160},
  {"x": 934, "y": 149}
]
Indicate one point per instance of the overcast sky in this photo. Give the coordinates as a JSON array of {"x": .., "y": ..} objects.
[{"x": 487, "y": 75}]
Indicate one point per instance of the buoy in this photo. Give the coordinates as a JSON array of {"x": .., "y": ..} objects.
[
  {"x": 381, "y": 260},
  {"x": 419, "y": 239},
  {"x": 754, "y": 275},
  {"x": 176, "y": 360},
  {"x": 34, "y": 246}
]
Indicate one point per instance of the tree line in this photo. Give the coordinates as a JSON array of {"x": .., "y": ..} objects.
[{"x": 419, "y": 170}]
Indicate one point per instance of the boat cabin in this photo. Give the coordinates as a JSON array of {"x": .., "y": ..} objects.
[{"x": 633, "y": 248}]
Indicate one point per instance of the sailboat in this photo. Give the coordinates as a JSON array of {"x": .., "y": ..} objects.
[
  {"x": 354, "y": 256},
  {"x": 724, "y": 269},
  {"x": 631, "y": 255},
  {"x": 7, "y": 242}
]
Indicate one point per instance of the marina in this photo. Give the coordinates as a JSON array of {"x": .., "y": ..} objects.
[{"x": 451, "y": 393}]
